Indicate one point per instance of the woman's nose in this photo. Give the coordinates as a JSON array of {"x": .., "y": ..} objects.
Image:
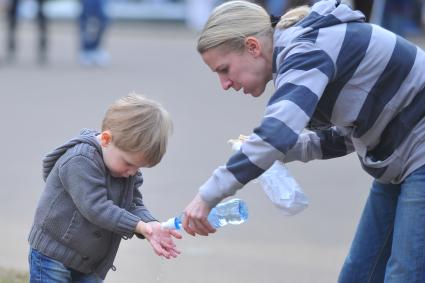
[{"x": 225, "y": 83}]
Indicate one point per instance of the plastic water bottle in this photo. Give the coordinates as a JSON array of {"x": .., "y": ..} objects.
[{"x": 234, "y": 211}]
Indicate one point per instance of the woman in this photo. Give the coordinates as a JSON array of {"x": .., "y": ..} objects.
[{"x": 356, "y": 87}]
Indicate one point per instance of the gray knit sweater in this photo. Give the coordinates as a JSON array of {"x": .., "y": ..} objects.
[{"x": 84, "y": 212}]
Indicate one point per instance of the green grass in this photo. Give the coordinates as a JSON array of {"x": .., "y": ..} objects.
[{"x": 13, "y": 276}]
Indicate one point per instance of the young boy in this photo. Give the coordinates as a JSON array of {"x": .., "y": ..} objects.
[{"x": 91, "y": 198}]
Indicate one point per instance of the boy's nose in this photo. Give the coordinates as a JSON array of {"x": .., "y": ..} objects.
[{"x": 131, "y": 172}]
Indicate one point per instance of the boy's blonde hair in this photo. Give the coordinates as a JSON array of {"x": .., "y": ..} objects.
[
  {"x": 139, "y": 124},
  {"x": 231, "y": 22}
]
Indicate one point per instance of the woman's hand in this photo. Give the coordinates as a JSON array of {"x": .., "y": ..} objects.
[{"x": 195, "y": 219}]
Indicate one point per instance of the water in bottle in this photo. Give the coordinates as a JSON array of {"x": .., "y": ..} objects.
[{"x": 234, "y": 211}]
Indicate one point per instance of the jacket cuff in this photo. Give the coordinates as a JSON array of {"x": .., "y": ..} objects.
[
  {"x": 127, "y": 224},
  {"x": 220, "y": 185},
  {"x": 144, "y": 215},
  {"x": 210, "y": 193}
]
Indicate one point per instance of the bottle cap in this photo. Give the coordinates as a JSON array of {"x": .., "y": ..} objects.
[{"x": 170, "y": 224}]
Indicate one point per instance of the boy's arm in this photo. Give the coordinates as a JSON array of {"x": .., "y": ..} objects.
[
  {"x": 85, "y": 182},
  {"x": 150, "y": 229},
  {"x": 137, "y": 207}
]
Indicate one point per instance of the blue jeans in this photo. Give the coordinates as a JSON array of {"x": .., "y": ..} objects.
[
  {"x": 44, "y": 269},
  {"x": 93, "y": 22},
  {"x": 276, "y": 7},
  {"x": 389, "y": 245}
]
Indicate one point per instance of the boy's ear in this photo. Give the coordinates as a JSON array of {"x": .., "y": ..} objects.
[{"x": 105, "y": 138}]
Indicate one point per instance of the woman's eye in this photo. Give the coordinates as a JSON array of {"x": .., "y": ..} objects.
[{"x": 223, "y": 70}]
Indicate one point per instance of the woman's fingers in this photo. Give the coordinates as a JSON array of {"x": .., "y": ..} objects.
[
  {"x": 202, "y": 227},
  {"x": 187, "y": 228},
  {"x": 198, "y": 225},
  {"x": 195, "y": 220}
]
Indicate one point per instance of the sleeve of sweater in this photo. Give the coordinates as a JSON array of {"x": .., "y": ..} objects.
[
  {"x": 320, "y": 144},
  {"x": 302, "y": 74},
  {"x": 85, "y": 183},
  {"x": 138, "y": 208}
]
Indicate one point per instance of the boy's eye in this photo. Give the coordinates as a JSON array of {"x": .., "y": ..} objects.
[{"x": 126, "y": 162}]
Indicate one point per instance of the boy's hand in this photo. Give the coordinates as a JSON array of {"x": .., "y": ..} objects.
[{"x": 161, "y": 240}]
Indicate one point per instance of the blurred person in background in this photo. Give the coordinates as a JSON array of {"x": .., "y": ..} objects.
[
  {"x": 276, "y": 7},
  {"x": 402, "y": 17},
  {"x": 197, "y": 13},
  {"x": 423, "y": 14},
  {"x": 279, "y": 7},
  {"x": 12, "y": 23},
  {"x": 341, "y": 86},
  {"x": 93, "y": 23}
]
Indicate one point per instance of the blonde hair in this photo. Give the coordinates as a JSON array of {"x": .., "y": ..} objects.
[
  {"x": 139, "y": 124},
  {"x": 231, "y": 22}
]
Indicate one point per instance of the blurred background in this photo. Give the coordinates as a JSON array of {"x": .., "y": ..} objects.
[{"x": 63, "y": 62}]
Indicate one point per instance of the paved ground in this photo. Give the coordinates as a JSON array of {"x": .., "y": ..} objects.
[{"x": 42, "y": 107}]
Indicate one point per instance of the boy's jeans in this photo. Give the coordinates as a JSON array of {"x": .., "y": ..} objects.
[
  {"x": 44, "y": 269},
  {"x": 389, "y": 245}
]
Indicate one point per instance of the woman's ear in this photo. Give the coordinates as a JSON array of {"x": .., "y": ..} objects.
[
  {"x": 105, "y": 138},
  {"x": 253, "y": 46}
]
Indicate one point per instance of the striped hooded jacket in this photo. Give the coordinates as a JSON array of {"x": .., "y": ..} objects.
[{"x": 355, "y": 86}]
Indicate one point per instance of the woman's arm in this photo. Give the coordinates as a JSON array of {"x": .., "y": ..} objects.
[
  {"x": 319, "y": 144},
  {"x": 303, "y": 72}
]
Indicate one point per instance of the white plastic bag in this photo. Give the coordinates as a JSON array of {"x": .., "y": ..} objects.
[
  {"x": 283, "y": 190},
  {"x": 278, "y": 184}
]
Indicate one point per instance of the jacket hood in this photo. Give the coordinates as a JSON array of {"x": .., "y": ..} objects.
[
  {"x": 323, "y": 14},
  {"x": 331, "y": 12},
  {"x": 86, "y": 136}
]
